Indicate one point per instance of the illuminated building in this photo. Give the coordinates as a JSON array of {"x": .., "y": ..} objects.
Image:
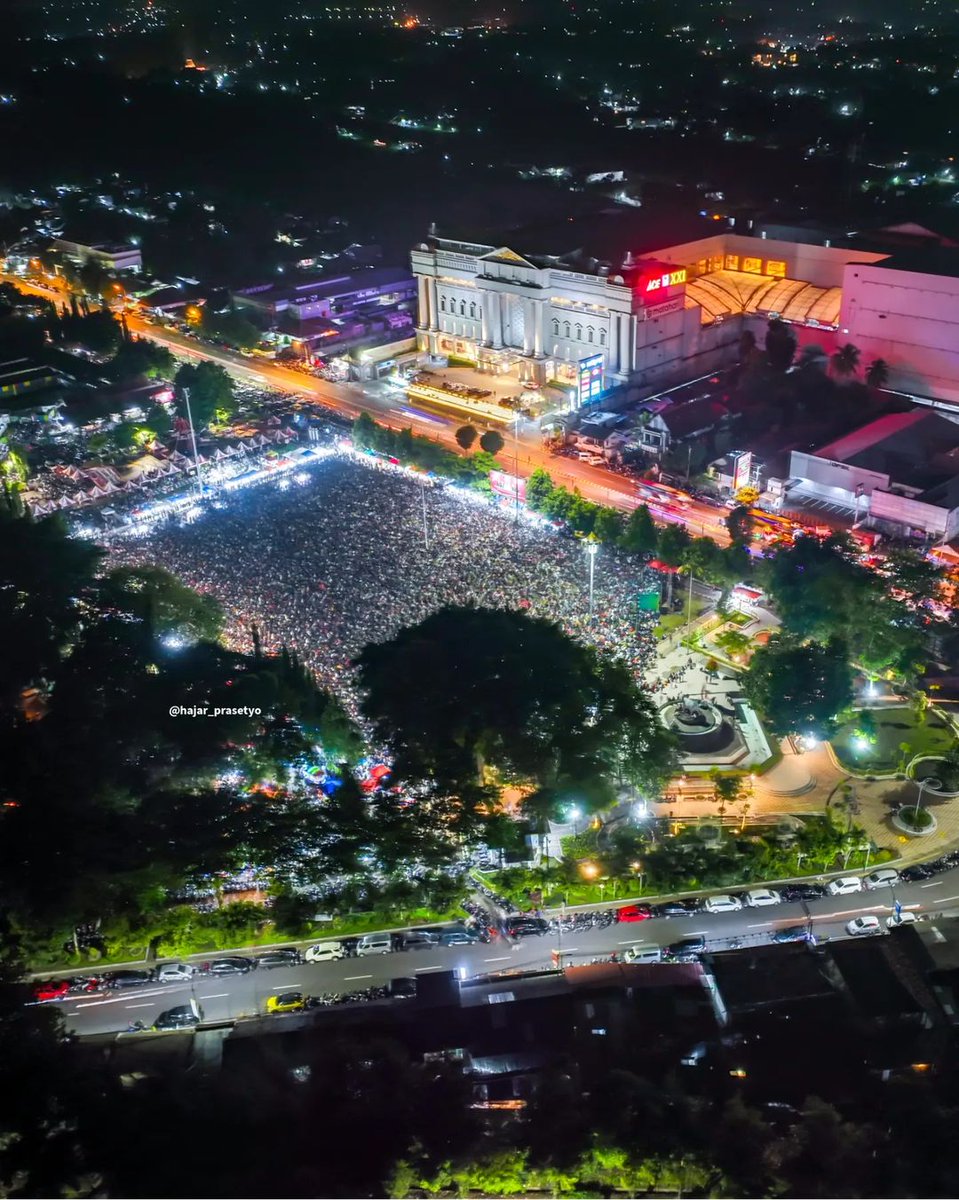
[{"x": 661, "y": 315}]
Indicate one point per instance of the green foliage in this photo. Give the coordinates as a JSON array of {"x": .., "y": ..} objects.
[
  {"x": 231, "y": 327},
  {"x": 539, "y": 487},
  {"x": 800, "y": 687},
  {"x": 640, "y": 535},
  {"x": 142, "y": 359},
  {"x": 492, "y": 442},
  {"x": 99, "y": 332},
  {"x": 210, "y": 388},
  {"x": 739, "y": 522},
  {"x": 465, "y": 436}
]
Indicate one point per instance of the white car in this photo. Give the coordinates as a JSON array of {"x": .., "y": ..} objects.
[
  {"x": 762, "y": 897},
  {"x": 904, "y": 918},
  {"x": 641, "y": 954},
  {"x": 886, "y": 877},
  {"x": 324, "y": 952},
  {"x": 863, "y": 926},
  {"x": 175, "y": 972},
  {"x": 845, "y": 885},
  {"x": 722, "y": 904}
]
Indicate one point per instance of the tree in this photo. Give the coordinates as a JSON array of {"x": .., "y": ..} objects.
[
  {"x": 672, "y": 545},
  {"x": 503, "y": 692},
  {"x": 739, "y": 522},
  {"x": 365, "y": 432},
  {"x": 142, "y": 359},
  {"x": 800, "y": 687},
  {"x": 211, "y": 391},
  {"x": 818, "y": 587},
  {"x": 231, "y": 327},
  {"x": 99, "y": 332},
  {"x": 877, "y": 373},
  {"x": 845, "y": 361},
  {"x": 640, "y": 536},
  {"x": 492, "y": 442},
  {"x": 608, "y": 525},
  {"x": 465, "y": 436},
  {"x": 159, "y": 598},
  {"x": 539, "y": 487},
  {"x": 780, "y": 345},
  {"x": 747, "y": 345}
]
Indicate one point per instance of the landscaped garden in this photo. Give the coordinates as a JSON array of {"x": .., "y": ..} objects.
[
  {"x": 884, "y": 740},
  {"x": 661, "y": 857}
]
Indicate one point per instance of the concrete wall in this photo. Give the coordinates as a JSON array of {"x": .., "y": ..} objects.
[{"x": 909, "y": 319}]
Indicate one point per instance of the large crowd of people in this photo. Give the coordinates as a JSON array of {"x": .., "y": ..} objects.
[{"x": 350, "y": 554}]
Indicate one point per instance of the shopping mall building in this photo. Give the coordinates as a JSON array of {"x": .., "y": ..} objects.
[{"x": 662, "y": 316}]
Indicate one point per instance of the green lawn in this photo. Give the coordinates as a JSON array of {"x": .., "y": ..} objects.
[
  {"x": 893, "y": 727},
  {"x": 672, "y": 621}
]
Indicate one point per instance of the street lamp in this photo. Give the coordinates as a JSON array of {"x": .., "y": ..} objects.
[
  {"x": 929, "y": 781},
  {"x": 591, "y": 547}
]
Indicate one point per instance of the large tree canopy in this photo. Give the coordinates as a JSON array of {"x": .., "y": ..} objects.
[
  {"x": 471, "y": 689},
  {"x": 800, "y": 687}
]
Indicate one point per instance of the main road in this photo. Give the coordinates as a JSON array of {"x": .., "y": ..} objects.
[
  {"x": 389, "y": 406},
  {"x": 232, "y": 996}
]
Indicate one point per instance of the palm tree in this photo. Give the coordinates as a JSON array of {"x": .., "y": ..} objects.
[
  {"x": 845, "y": 360},
  {"x": 877, "y": 373}
]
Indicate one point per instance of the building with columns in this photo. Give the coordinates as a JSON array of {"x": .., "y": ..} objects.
[
  {"x": 658, "y": 315},
  {"x": 539, "y": 319}
]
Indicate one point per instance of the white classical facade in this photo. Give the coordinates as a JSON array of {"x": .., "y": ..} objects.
[{"x": 495, "y": 308}]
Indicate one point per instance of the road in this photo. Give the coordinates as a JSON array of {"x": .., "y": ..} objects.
[
  {"x": 232, "y": 996},
  {"x": 389, "y": 406}
]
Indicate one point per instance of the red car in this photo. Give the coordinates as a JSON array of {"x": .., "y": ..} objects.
[
  {"x": 634, "y": 912},
  {"x": 54, "y": 989}
]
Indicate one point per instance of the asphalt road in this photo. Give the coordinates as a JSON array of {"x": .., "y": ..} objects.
[
  {"x": 390, "y": 407},
  {"x": 232, "y": 996}
]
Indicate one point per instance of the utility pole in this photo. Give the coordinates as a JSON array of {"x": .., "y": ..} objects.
[{"x": 196, "y": 456}]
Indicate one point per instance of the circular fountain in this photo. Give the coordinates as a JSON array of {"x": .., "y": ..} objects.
[{"x": 699, "y": 725}]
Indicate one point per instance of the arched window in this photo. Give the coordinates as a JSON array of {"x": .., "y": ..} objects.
[
  {"x": 602, "y": 337},
  {"x": 579, "y": 333},
  {"x": 589, "y": 333},
  {"x": 443, "y": 303},
  {"x": 555, "y": 328},
  {"x": 473, "y": 311},
  {"x": 566, "y": 329},
  {"x": 462, "y": 308}
]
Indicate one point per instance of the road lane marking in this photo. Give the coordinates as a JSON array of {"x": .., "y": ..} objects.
[
  {"x": 938, "y": 883},
  {"x": 762, "y": 925},
  {"x": 213, "y": 996},
  {"x": 420, "y": 970},
  {"x": 115, "y": 1000},
  {"x": 631, "y": 942},
  {"x": 350, "y": 978},
  {"x": 149, "y": 1004},
  {"x": 504, "y": 958}
]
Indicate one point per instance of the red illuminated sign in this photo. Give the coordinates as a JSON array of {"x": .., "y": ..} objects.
[{"x": 667, "y": 279}]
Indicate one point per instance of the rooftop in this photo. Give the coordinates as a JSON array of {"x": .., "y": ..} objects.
[{"x": 918, "y": 449}]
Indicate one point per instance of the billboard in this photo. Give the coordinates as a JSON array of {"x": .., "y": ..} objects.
[
  {"x": 513, "y": 487},
  {"x": 742, "y": 466},
  {"x": 590, "y": 378},
  {"x": 648, "y": 600}
]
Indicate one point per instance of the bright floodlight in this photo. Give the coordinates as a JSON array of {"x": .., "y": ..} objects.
[
  {"x": 574, "y": 813},
  {"x": 860, "y": 744},
  {"x": 173, "y": 641}
]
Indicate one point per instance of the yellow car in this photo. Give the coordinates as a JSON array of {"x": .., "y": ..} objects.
[{"x": 286, "y": 1002}]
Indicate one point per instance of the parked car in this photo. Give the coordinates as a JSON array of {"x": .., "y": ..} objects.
[
  {"x": 234, "y": 964},
  {"x": 674, "y": 908},
  {"x": 884, "y": 877},
  {"x": 863, "y": 926},
  {"x": 794, "y": 892},
  {"x": 286, "y": 1002},
  {"x": 53, "y": 989},
  {"x": 278, "y": 958},
  {"x": 181, "y": 1017},
  {"x": 634, "y": 912},
  {"x": 845, "y": 885},
  {"x": 792, "y": 933},
  {"x": 418, "y": 940},
  {"x": 916, "y": 872},
  {"x": 325, "y": 952},
  {"x": 897, "y": 920},
  {"x": 374, "y": 943},
  {"x": 762, "y": 897},
  {"x": 459, "y": 937},
  {"x": 125, "y": 979},
  {"x": 403, "y": 988},
  {"x": 721, "y": 904},
  {"x": 526, "y": 926},
  {"x": 642, "y": 954},
  {"x": 175, "y": 972},
  {"x": 687, "y": 949}
]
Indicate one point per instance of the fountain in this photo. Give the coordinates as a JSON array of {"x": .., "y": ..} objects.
[{"x": 699, "y": 725}]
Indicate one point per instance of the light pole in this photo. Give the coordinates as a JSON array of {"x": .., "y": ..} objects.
[
  {"x": 516, "y": 467},
  {"x": 591, "y": 548},
  {"x": 196, "y": 456},
  {"x": 929, "y": 781}
]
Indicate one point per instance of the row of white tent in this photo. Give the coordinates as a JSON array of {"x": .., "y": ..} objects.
[{"x": 176, "y": 464}]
